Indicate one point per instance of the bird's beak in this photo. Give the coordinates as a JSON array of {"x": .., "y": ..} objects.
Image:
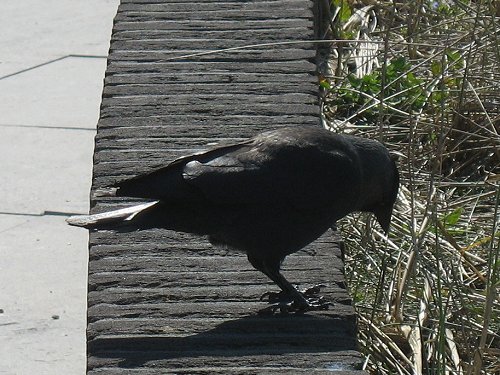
[{"x": 383, "y": 216}]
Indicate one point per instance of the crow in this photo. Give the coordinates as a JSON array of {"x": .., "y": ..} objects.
[{"x": 268, "y": 196}]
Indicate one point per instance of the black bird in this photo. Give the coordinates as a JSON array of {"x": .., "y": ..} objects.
[{"x": 268, "y": 196}]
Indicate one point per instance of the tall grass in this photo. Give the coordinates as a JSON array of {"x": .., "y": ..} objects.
[{"x": 424, "y": 78}]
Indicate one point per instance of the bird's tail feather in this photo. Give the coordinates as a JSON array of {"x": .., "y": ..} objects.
[{"x": 108, "y": 218}]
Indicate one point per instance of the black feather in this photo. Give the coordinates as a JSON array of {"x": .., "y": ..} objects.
[{"x": 270, "y": 195}]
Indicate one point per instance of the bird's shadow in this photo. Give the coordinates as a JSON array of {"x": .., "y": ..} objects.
[{"x": 247, "y": 336}]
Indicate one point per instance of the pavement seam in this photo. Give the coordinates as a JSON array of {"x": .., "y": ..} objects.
[
  {"x": 39, "y": 214},
  {"x": 53, "y": 61},
  {"x": 46, "y": 127}
]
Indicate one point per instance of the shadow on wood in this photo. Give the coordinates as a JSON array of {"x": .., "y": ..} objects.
[{"x": 249, "y": 336}]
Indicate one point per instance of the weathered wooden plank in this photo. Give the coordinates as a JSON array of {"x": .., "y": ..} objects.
[
  {"x": 204, "y": 25},
  {"x": 263, "y": 35},
  {"x": 146, "y": 2},
  {"x": 195, "y": 77},
  {"x": 278, "y": 67},
  {"x": 281, "y": 6},
  {"x": 276, "y": 27},
  {"x": 155, "y": 262},
  {"x": 224, "y": 368},
  {"x": 328, "y": 341},
  {"x": 232, "y": 79},
  {"x": 251, "y": 90},
  {"x": 254, "y": 361},
  {"x": 167, "y": 283},
  {"x": 107, "y": 244},
  {"x": 202, "y": 124},
  {"x": 218, "y": 50},
  {"x": 195, "y": 98},
  {"x": 112, "y": 108},
  {"x": 234, "y": 131},
  {"x": 196, "y": 299},
  {"x": 215, "y": 15},
  {"x": 167, "y": 302},
  {"x": 257, "y": 324}
]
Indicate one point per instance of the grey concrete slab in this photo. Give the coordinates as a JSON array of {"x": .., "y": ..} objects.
[
  {"x": 8, "y": 222},
  {"x": 42, "y": 327},
  {"x": 65, "y": 93},
  {"x": 45, "y": 169},
  {"x": 47, "y": 124},
  {"x": 34, "y": 32}
]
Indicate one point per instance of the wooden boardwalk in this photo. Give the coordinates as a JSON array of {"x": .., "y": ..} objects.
[{"x": 167, "y": 302}]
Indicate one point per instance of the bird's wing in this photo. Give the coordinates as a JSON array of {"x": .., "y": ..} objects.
[
  {"x": 167, "y": 183},
  {"x": 302, "y": 175},
  {"x": 268, "y": 169}
]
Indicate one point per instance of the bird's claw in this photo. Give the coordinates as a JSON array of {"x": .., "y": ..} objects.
[
  {"x": 286, "y": 304},
  {"x": 278, "y": 301},
  {"x": 272, "y": 297},
  {"x": 283, "y": 307},
  {"x": 312, "y": 291}
]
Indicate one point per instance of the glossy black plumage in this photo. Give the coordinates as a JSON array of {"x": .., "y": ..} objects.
[{"x": 268, "y": 196}]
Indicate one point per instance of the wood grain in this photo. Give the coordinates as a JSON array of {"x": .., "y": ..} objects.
[{"x": 167, "y": 302}]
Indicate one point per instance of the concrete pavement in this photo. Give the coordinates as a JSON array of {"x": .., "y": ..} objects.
[{"x": 52, "y": 62}]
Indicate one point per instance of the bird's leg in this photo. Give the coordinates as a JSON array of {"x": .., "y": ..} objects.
[
  {"x": 290, "y": 299},
  {"x": 294, "y": 297}
]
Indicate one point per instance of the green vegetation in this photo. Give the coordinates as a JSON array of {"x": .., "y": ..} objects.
[
  {"x": 402, "y": 90},
  {"x": 424, "y": 78}
]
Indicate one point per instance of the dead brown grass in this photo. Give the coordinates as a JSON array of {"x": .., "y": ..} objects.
[{"x": 424, "y": 78}]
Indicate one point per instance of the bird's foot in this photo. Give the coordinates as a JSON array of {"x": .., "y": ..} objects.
[
  {"x": 311, "y": 292},
  {"x": 287, "y": 303}
]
